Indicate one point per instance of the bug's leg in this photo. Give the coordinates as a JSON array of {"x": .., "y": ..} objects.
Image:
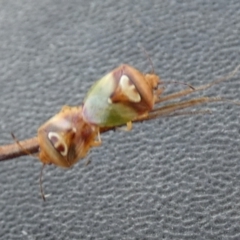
[
  {"x": 126, "y": 128},
  {"x": 168, "y": 109},
  {"x": 95, "y": 143},
  {"x": 89, "y": 160},
  {"x": 65, "y": 107},
  {"x": 174, "y": 95},
  {"x": 157, "y": 93},
  {"x": 184, "y": 113},
  {"x": 41, "y": 183},
  {"x": 98, "y": 142},
  {"x": 35, "y": 156},
  {"x": 129, "y": 126},
  {"x": 171, "y": 108},
  {"x": 22, "y": 148},
  {"x": 200, "y": 88}
]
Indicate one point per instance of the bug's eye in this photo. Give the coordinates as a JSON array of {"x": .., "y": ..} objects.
[{"x": 58, "y": 143}]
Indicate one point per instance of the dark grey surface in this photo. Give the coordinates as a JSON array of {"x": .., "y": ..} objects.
[{"x": 173, "y": 178}]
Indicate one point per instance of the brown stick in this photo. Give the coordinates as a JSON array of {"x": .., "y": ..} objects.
[{"x": 12, "y": 150}]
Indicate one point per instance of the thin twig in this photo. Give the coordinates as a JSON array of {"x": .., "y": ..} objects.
[{"x": 13, "y": 151}]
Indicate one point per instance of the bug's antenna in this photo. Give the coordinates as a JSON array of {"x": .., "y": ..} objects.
[
  {"x": 176, "y": 82},
  {"x": 41, "y": 172},
  {"x": 148, "y": 57},
  {"x": 21, "y": 147},
  {"x": 153, "y": 71},
  {"x": 41, "y": 183}
]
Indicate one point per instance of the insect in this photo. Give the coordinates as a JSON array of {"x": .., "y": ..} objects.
[
  {"x": 66, "y": 138},
  {"x": 121, "y": 96}
]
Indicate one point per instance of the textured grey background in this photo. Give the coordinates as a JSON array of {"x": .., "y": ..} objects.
[{"x": 172, "y": 178}]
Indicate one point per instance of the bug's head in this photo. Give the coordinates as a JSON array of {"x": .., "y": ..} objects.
[{"x": 152, "y": 80}]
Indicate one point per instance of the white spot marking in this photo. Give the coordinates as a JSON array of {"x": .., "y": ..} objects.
[
  {"x": 109, "y": 100},
  {"x": 129, "y": 89},
  {"x": 60, "y": 141}
]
